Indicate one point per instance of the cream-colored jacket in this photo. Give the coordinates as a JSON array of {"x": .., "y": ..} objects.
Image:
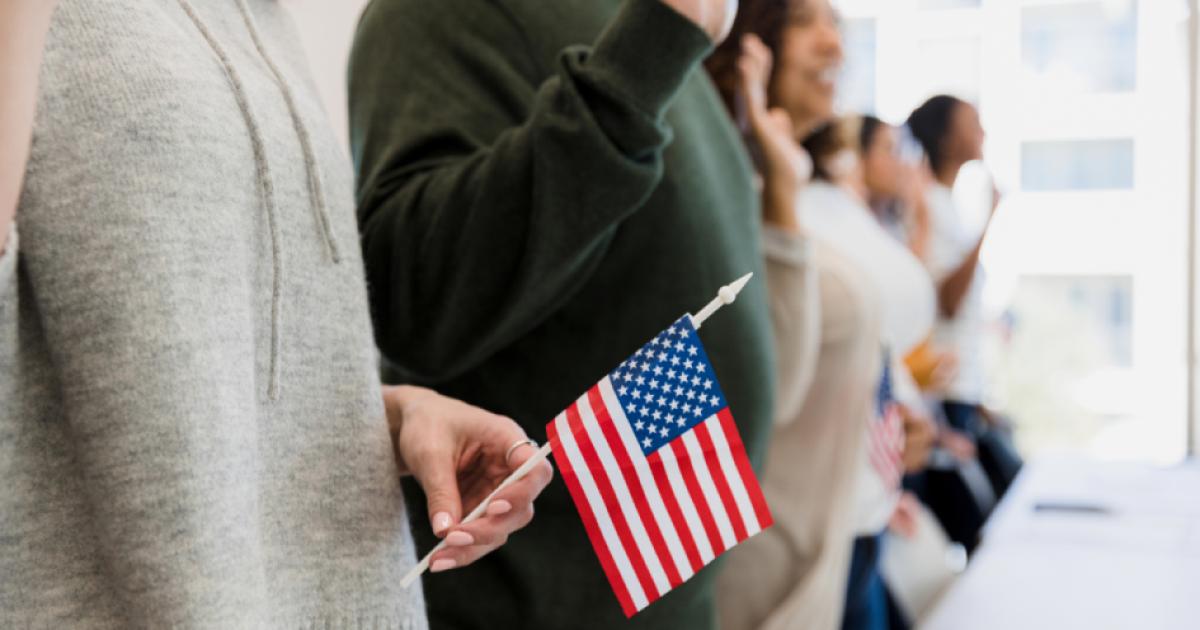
[{"x": 826, "y": 319}]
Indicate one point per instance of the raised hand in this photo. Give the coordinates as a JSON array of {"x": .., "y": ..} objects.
[
  {"x": 714, "y": 16},
  {"x": 786, "y": 166}
]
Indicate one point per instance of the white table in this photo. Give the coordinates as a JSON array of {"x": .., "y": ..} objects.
[{"x": 1136, "y": 566}]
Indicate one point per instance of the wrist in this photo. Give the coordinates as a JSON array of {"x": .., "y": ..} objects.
[{"x": 399, "y": 401}]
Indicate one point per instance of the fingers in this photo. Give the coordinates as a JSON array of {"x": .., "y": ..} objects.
[
  {"x": 754, "y": 68},
  {"x": 511, "y": 510},
  {"x": 438, "y": 478}
]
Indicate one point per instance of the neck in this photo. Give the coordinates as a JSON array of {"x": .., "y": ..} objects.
[
  {"x": 947, "y": 175},
  {"x": 805, "y": 126}
]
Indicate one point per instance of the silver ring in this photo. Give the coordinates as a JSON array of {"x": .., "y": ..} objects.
[{"x": 517, "y": 444}]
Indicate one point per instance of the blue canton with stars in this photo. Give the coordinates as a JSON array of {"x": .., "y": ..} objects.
[
  {"x": 884, "y": 394},
  {"x": 668, "y": 386}
]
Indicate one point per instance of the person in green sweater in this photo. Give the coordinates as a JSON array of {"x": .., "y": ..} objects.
[{"x": 542, "y": 187}]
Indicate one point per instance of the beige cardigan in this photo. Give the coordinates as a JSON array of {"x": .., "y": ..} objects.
[{"x": 826, "y": 322}]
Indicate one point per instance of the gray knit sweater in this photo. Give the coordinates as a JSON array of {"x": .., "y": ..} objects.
[{"x": 191, "y": 428}]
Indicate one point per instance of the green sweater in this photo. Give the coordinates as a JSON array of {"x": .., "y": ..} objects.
[{"x": 539, "y": 195}]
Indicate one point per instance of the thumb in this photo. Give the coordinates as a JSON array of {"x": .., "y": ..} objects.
[{"x": 440, "y": 482}]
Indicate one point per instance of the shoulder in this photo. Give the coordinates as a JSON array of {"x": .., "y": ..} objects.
[{"x": 850, "y": 306}]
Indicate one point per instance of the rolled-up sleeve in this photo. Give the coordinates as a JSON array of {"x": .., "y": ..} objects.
[{"x": 795, "y": 316}]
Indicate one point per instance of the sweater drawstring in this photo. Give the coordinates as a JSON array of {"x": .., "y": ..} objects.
[
  {"x": 266, "y": 187},
  {"x": 315, "y": 190}
]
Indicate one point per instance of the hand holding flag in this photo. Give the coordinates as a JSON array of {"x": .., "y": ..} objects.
[{"x": 655, "y": 466}]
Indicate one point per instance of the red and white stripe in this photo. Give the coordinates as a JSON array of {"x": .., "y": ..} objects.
[
  {"x": 655, "y": 521},
  {"x": 885, "y": 446}
]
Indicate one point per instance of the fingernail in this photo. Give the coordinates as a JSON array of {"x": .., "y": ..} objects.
[
  {"x": 459, "y": 539},
  {"x": 441, "y": 521},
  {"x": 445, "y": 564},
  {"x": 496, "y": 508}
]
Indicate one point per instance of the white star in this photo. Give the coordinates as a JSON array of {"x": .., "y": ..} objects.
[
  {"x": 642, "y": 381},
  {"x": 670, "y": 417},
  {"x": 633, "y": 365},
  {"x": 653, "y": 428},
  {"x": 663, "y": 432},
  {"x": 672, "y": 330},
  {"x": 674, "y": 405},
  {"x": 643, "y": 411},
  {"x": 679, "y": 346},
  {"x": 686, "y": 407},
  {"x": 716, "y": 402},
  {"x": 639, "y": 425},
  {"x": 658, "y": 370},
  {"x": 646, "y": 443},
  {"x": 674, "y": 360},
  {"x": 696, "y": 411},
  {"x": 670, "y": 373},
  {"x": 623, "y": 390},
  {"x": 662, "y": 356},
  {"x": 707, "y": 384},
  {"x": 653, "y": 384},
  {"x": 691, "y": 395},
  {"x": 637, "y": 394},
  {"x": 688, "y": 364},
  {"x": 681, "y": 422},
  {"x": 654, "y": 341},
  {"x": 695, "y": 381},
  {"x": 700, "y": 367},
  {"x": 703, "y": 398},
  {"x": 649, "y": 398},
  {"x": 657, "y": 415},
  {"x": 692, "y": 351}
]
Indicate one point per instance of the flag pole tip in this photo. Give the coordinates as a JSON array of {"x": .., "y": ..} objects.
[{"x": 729, "y": 292}]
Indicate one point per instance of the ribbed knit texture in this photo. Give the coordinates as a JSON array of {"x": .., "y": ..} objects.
[{"x": 191, "y": 428}]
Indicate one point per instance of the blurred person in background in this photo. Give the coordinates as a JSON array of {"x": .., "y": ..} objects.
[
  {"x": 826, "y": 324},
  {"x": 951, "y": 135},
  {"x": 835, "y": 207}
]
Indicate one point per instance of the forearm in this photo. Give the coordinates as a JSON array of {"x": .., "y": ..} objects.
[
  {"x": 479, "y": 218},
  {"x": 23, "y": 27},
  {"x": 779, "y": 204},
  {"x": 954, "y": 288}
]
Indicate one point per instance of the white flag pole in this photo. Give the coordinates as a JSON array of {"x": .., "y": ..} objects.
[{"x": 726, "y": 295}]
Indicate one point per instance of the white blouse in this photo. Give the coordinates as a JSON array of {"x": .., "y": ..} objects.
[{"x": 840, "y": 219}]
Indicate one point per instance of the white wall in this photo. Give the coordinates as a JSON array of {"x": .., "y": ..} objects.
[{"x": 326, "y": 30}]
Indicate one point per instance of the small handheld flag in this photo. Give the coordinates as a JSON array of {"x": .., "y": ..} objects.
[
  {"x": 655, "y": 466},
  {"x": 657, "y": 469},
  {"x": 885, "y": 432}
]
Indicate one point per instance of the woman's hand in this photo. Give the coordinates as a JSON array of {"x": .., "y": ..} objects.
[
  {"x": 786, "y": 166},
  {"x": 919, "y": 435},
  {"x": 904, "y": 521},
  {"x": 457, "y": 453},
  {"x": 714, "y": 16}
]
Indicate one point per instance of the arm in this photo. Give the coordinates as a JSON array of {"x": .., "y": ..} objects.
[
  {"x": 485, "y": 197},
  {"x": 23, "y": 27},
  {"x": 954, "y": 286}
]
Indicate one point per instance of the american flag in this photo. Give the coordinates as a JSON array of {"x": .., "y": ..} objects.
[
  {"x": 885, "y": 432},
  {"x": 657, "y": 469}
]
